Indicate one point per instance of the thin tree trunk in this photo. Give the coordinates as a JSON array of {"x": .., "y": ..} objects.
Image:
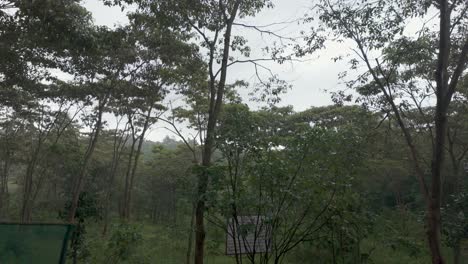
[
  {"x": 28, "y": 182},
  {"x": 443, "y": 100},
  {"x": 201, "y": 191},
  {"x": 135, "y": 163},
  {"x": 118, "y": 149},
  {"x": 39, "y": 183},
  {"x": 456, "y": 164},
  {"x": 124, "y": 210},
  {"x": 108, "y": 200},
  {"x": 78, "y": 186},
  {"x": 132, "y": 181},
  {"x": 4, "y": 199},
  {"x": 214, "y": 110},
  {"x": 33, "y": 193}
]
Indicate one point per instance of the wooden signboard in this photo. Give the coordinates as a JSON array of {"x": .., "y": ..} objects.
[{"x": 248, "y": 235}]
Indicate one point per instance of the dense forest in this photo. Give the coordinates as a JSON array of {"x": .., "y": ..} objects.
[{"x": 379, "y": 176}]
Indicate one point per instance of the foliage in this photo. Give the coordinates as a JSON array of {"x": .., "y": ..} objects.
[
  {"x": 123, "y": 243},
  {"x": 334, "y": 184},
  {"x": 454, "y": 214},
  {"x": 87, "y": 210}
]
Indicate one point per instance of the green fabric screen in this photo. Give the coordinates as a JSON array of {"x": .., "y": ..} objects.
[{"x": 34, "y": 243}]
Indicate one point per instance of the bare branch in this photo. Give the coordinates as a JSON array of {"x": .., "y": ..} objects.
[
  {"x": 179, "y": 134},
  {"x": 264, "y": 31}
]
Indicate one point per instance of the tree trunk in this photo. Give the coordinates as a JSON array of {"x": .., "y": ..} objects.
[
  {"x": 443, "y": 95},
  {"x": 28, "y": 184},
  {"x": 433, "y": 233},
  {"x": 128, "y": 206},
  {"x": 456, "y": 165},
  {"x": 119, "y": 144},
  {"x": 78, "y": 185},
  {"x": 216, "y": 101},
  {"x": 433, "y": 214},
  {"x": 4, "y": 199},
  {"x": 131, "y": 177},
  {"x": 200, "y": 218},
  {"x": 124, "y": 210}
]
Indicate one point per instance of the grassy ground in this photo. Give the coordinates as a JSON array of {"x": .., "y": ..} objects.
[
  {"x": 390, "y": 242},
  {"x": 158, "y": 244},
  {"x": 165, "y": 245}
]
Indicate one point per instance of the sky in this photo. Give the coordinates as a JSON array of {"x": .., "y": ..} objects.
[{"x": 311, "y": 78}]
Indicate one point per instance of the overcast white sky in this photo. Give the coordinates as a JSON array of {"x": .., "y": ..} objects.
[{"x": 310, "y": 79}]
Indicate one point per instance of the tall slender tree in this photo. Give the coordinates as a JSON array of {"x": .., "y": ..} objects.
[
  {"x": 212, "y": 23},
  {"x": 407, "y": 75}
]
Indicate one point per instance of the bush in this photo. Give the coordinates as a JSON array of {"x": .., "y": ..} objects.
[{"x": 123, "y": 244}]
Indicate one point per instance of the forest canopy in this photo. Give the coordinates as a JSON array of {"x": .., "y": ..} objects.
[{"x": 156, "y": 138}]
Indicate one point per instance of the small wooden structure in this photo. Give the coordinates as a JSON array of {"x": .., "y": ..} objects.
[{"x": 248, "y": 235}]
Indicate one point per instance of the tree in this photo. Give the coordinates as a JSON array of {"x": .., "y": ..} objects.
[
  {"x": 10, "y": 139},
  {"x": 455, "y": 229},
  {"x": 212, "y": 22},
  {"x": 166, "y": 61},
  {"x": 377, "y": 28},
  {"x": 32, "y": 46},
  {"x": 46, "y": 128},
  {"x": 119, "y": 141},
  {"x": 102, "y": 71},
  {"x": 292, "y": 176},
  {"x": 457, "y": 148}
]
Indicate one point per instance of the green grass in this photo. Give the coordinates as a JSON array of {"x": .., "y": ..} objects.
[{"x": 394, "y": 240}]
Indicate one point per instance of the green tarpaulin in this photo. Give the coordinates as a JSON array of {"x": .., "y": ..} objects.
[{"x": 33, "y": 243}]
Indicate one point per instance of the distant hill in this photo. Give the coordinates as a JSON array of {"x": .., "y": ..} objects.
[{"x": 167, "y": 142}]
